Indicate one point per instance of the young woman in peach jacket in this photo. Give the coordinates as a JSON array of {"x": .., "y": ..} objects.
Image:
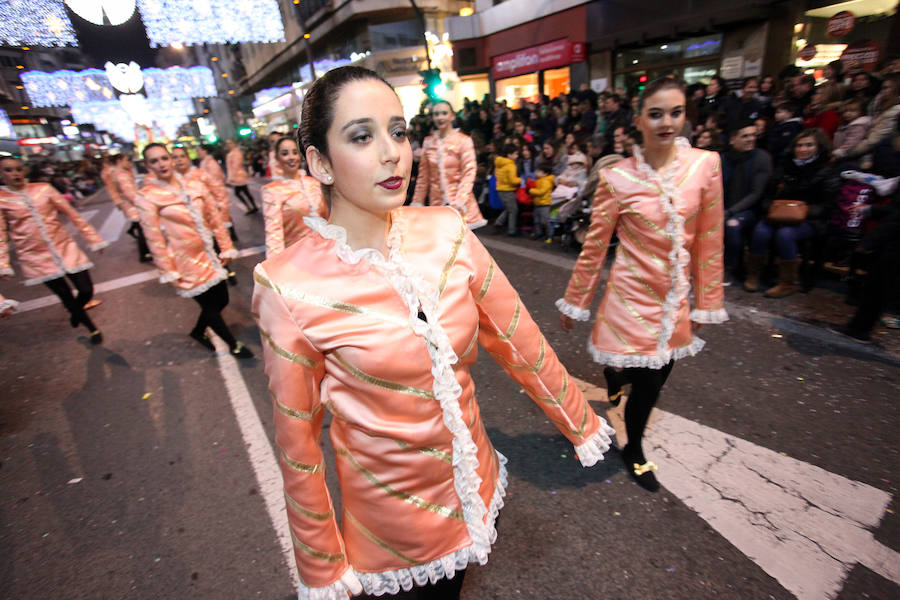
[
  {"x": 291, "y": 196},
  {"x": 123, "y": 191},
  {"x": 184, "y": 253},
  {"x": 31, "y": 214},
  {"x": 376, "y": 315},
  {"x": 447, "y": 169},
  {"x": 238, "y": 176},
  {"x": 211, "y": 166},
  {"x": 665, "y": 205}
]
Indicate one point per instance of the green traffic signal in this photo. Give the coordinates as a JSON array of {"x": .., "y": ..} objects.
[
  {"x": 244, "y": 131},
  {"x": 432, "y": 84}
]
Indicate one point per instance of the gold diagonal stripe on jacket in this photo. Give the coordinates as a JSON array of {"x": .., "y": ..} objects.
[
  {"x": 472, "y": 343},
  {"x": 637, "y": 276},
  {"x": 301, "y": 415},
  {"x": 377, "y": 540},
  {"x": 295, "y": 294},
  {"x": 711, "y": 232},
  {"x": 622, "y": 340},
  {"x": 316, "y": 516},
  {"x": 514, "y": 324},
  {"x": 712, "y": 284},
  {"x": 437, "y": 509},
  {"x": 486, "y": 284},
  {"x": 530, "y": 368},
  {"x": 315, "y": 553},
  {"x": 631, "y": 310},
  {"x": 636, "y": 240},
  {"x": 285, "y": 353},
  {"x": 634, "y": 179},
  {"x": 297, "y": 465},
  {"x": 712, "y": 258},
  {"x": 585, "y": 415},
  {"x": 436, "y": 453},
  {"x": 382, "y": 383},
  {"x": 693, "y": 168},
  {"x": 451, "y": 259},
  {"x": 554, "y": 401}
]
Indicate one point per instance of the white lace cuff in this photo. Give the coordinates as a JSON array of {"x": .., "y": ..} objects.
[
  {"x": 7, "y": 271},
  {"x": 348, "y": 583},
  {"x": 591, "y": 452},
  {"x": 8, "y": 305},
  {"x": 579, "y": 314},
  {"x": 99, "y": 246},
  {"x": 229, "y": 254},
  {"x": 709, "y": 316},
  {"x": 169, "y": 277}
]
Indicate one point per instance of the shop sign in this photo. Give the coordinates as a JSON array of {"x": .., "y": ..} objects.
[
  {"x": 546, "y": 56},
  {"x": 840, "y": 24},
  {"x": 807, "y": 53},
  {"x": 864, "y": 55}
]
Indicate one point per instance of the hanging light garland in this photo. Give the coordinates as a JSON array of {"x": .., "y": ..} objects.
[
  {"x": 6, "y": 128},
  {"x": 35, "y": 23},
  {"x": 122, "y": 117},
  {"x": 189, "y": 22},
  {"x": 64, "y": 87},
  {"x": 116, "y": 11}
]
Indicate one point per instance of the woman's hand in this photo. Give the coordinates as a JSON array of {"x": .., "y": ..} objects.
[{"x": 566, "y": 322}]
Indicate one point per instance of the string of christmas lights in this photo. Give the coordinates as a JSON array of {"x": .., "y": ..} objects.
[
  {"x": 191, "y": 22},
  {"x": 6, "y": 128},
  {"x": 113, "y": 117},
  {"x": 35, "y": 23}
]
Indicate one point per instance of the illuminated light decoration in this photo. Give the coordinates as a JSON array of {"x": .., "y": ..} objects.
[
  {"x": 62, "y": 88},
  {"x": 466, "y": 11},
  {"x": 38, "y": 141},
  {"x": 440, "y": 50},
  {"x": 128, "y": 79},
  {"x": 263, "y": 96},
  {"x": 6, "y": 128},
  {"x": 116, "y": 11},
  {"x": 33, "y": 23},
  {"x": 112, "y": 116},
  {"x": 211, "y": 21}
]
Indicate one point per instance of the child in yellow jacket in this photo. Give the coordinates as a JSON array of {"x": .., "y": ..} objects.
[
  {"x": 507, "y": 183},
  {"x": 540, "y": 193}
]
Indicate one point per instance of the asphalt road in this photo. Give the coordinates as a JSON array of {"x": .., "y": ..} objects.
[{"x": 125, "y": 472}]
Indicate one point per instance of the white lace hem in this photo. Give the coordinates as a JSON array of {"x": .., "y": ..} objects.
[
  {"x": 7, "y": 271},
  {"x": 477, "y": 224},
  {"x": 339, "y": 590},
  {"x": 648, "y": 361},
  {"x": 591, "y": 452},
  {"x": 58, "y": 274},
  {"x": 99, "y": 246},
  {"x": 709, "y": 316},
  {"x": 579, "y": 314},
  {"x": 8, "y": 304},
  {"x": 219, "y": 278},
  {"x": 229, "y": 254}
]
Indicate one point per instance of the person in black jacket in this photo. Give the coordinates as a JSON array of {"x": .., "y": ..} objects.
[
  {"x": 746, "y": 172},
  {"x": 806, "y": 176},
  {"x": 744, "y": 107},
  {"x": 712, "y": 101}
]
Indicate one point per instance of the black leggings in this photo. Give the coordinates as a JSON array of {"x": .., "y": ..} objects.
[
  {"x": 444, "y": 589},
  {"x": 646, "y": 385},
  {"x": 212, "y": 302},
  {"x": 75, "y": 304},
  {"x": 243, "y": 194},
  {"x": 137, "y": 233}
]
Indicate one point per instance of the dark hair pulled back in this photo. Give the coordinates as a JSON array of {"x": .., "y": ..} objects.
[
  {"x": 657, "y": 85},
  {"x": 282, "y": 139},
  {"x": 153, "y": 145},
  {"x": 319, "y": 103}
]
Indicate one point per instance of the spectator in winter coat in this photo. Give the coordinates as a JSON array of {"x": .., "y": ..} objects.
[
  {"x": 716, "y": 93},
  {"x": 822, "y": 110},
  {"x": 540, "y": 195},
  {"x": 741, "y": 108},
  {"x": 787, "y": 125},
  {"x": 508, "y": 181},
  {"x": 854, "y": 126}
]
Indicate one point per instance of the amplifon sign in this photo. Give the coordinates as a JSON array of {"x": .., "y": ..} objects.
[{"x": 546, "y": 56}]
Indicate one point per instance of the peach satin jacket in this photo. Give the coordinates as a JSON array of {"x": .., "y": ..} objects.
[
  {"x": 125, "y": 192},
  {"x": 234, "y": 163},
  {"x": 45, "y": 249},
  {"x": 669, "y": 227},
  {"x": 218, "y": 189},
  {"x": 285, "y": 203},
  {"x": 447, "y": 174},
  {"x": 185, "y": 254},
  {"x": 275, "y": 170},
  {"x": 385, "y": 344}
]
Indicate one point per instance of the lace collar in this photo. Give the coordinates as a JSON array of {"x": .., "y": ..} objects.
[
  {"x": 338, "y": 235},
  {"x": 681, "y": 147}
]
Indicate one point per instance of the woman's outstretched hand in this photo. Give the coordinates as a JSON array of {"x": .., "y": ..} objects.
[{"x": 566, "y": 322}]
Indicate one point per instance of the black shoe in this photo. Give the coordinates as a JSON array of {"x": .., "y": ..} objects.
[
  {"x": 96, "y": 337},
  {"x": 203, "y": 340},
  {"x": 251, "y": 211},
  {"x": 640, "y": 470},
  {"x": 146, "y": 258},
  {"x": 232, "y": 278},
  {"x": 241, "y": 351},
  {"x": 614, "y": 385},
  {"x": 74, "y": 321}
]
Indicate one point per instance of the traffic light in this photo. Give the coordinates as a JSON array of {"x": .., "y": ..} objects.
[
  {"x": 244, "y": 131},
  {"x": 432, "y": 84}
]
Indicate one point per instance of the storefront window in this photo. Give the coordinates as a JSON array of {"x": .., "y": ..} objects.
[
  {"x": 556, "y": 82},
  {"x": 512, "y": 89},
  {"x": 668, "y": 53}
]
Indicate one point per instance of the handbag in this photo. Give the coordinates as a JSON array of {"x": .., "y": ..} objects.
[{"x": 787, "y": 212}]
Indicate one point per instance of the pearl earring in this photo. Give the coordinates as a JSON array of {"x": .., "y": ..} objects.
[{"x": 328, "y": 178}]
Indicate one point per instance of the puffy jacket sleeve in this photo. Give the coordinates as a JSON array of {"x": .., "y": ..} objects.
[
  {"x": 127, "y": 194},
  {"x": 295, "y": 369},
  {"x": 510, "y": 335},
  {"x": 589, "y": 266},
  {"x": 274, "y": 221},
  {"x": 216, "y": 225},
  {"x": 542, "y": 187},
  {"x": 156, "y": 241},
  {"x": 707, "y": 266},
  {"x": 87, "y": 231}
]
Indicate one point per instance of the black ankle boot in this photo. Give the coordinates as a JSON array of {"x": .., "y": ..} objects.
[
  {"x": 640, "y": 469},
  {"x": 241, "y": 351},
  {"x": 614, "y": 385},
  {"x": 203, "y": 340}
]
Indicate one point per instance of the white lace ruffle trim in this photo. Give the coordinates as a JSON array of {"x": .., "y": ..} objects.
[
  {"x": 341, "y": 589},
  {"x": 99, "y": 246},
  {"x": 229, "y": 254},
  {"x": 169, "y": 277},
  {"x": 648, "y": 361},
  {"x": 7, "y": 271},
  {"x": 8, "y": 304},
  {"x": 591, "y": 452},
  {"x": 58, "y": 274},
  {"x": 219, "y": 278},
  {"x": 711, "y": 317},
  {"x": 579, "y": 314}
]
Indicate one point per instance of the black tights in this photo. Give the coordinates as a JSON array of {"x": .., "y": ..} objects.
[
  {"x": 243, "y": 194},
  {"x": 444, "y": 589},
  {"x": 212, "y": 302},
  {"x": 75, "y": 304},
  {"x": 646, "y": 385},
  {"x": 137, "y": 233}
]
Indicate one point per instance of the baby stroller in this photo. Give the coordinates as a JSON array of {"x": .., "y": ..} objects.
[{"x": 572, "y": 220}]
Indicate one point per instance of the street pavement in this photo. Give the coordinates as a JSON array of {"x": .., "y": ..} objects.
[{"x": 143, "y": 468}]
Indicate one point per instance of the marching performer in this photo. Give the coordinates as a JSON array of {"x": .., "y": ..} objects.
[
  {"x": 218, "y": 188},
  {"x": 123, "y": 191},
  {"x": 238, "y": 176}
]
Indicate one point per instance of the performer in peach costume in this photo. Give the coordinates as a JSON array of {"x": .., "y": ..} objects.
[
  {"x": 185, "y": 254},
  {"x": 272, "y": 164},
  {"x": 123, "y": 191},
  {"x": 376, "y": 315},
  {"x": 30, "y": 213},
  {"x": 211, "y": 166},
  {"x": 238, "y": 176},
  {"x": 668, "y": 218},
  {"x": 447, "y": 168},
  {"x": 288, "y": 199}
]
